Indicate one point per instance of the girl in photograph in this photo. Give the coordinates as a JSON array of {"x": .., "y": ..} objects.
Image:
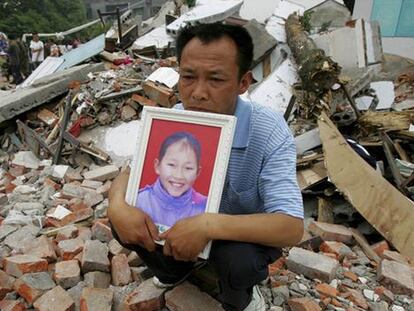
[{"x": 172, "y": 196}]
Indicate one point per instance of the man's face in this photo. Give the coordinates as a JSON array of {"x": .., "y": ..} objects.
[
  {"x": 209, "y": 76},
  {"x": 178, "y": 168},
  {"x": 35, "y": 38}
]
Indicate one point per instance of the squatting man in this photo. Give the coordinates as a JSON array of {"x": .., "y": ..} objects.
[{"x": 261, "y": 207}]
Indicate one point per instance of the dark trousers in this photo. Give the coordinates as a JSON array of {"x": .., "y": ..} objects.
[
  {"x": 15, "y": 71},
  {"x": 239, "y": 266}
]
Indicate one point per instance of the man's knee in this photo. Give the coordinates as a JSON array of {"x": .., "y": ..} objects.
[{"x": 242, "y": 264}]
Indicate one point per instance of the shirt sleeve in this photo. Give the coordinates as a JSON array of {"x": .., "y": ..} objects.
[{"x": 278, "y": 185}]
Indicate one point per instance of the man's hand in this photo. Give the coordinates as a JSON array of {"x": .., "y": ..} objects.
[
  {"x": 187, "y": 238},
  {"x": 132, "y": 225}
]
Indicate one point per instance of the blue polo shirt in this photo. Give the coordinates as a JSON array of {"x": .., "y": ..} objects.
[{"x": 261, "y": 174}]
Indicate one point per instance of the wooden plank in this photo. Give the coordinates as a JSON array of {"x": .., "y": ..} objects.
[{"x": 383, "y": 206}]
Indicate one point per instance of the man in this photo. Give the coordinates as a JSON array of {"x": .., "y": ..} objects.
[
  {"x": 261, "y": 207},
  {"x": 14, "y": 60},
  {"x": 24, "y": 58},
  {"x": 37, "y": 49}
]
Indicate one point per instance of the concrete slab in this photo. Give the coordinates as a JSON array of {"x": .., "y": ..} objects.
[{"x": 43, "y": 90}]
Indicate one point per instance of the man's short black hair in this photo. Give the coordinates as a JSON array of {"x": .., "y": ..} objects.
[{"x": 208, "y": 33}]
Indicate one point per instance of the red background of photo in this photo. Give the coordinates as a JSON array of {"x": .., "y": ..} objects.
[{"x": 208, "y": 136}]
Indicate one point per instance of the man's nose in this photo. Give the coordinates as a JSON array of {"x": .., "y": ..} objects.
[{"x": 200, "y": 90}]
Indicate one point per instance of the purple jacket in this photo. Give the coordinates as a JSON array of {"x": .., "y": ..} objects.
[{"x": 165, "y": 209}]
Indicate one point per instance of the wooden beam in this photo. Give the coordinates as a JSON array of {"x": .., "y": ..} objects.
[{"x": 380, "y": 203}]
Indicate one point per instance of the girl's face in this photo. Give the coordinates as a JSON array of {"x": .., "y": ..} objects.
[{"x": 178, "y": 169}]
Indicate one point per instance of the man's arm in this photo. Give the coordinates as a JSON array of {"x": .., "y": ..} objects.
[{"x": 132, "y": 225}]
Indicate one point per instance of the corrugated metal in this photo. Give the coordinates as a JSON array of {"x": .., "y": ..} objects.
[
  {"x": 83, "y": 52},
  {"x": 47, "y": 67}
]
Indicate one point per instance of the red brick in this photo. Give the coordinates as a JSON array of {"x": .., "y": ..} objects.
[
  {"x": 326, "y": 290},
  {"x": 384, "y": 294},
  {"x": 67, "y": 273},
  {"x": 6, "y": 284},
  {"x": 380, "y": 247},
  {"x": 145, "y": 297},
  {"x": 330, "y": 232},
  {"x": 96, "y": 299},
  {"x": 76, "y": 216},
  {"x": 16, "y": 170},
  {"x": 102, "y": 232},
  {"x": 188, "y": 297},
  {"x": 277, "y": 265},
  {"x": 56, "y": 299},
  {"x": 48, "y": 117},
  {"x": 68, "y": 249},
  {"x": 120, "y": 270},
  {"x": 49, "y": 182},
  {"x": 350, "y": 275},
  {"x": 32, "y": 286},
  {"x": 161, "y": 95},
  {"x": 21, "y": 264},
  {"x": 41, "y": 247},
  {"x": 303, "y": 304},
  {"x": 338, "y": 248},
  {"x": 104, "y": 189},
  {"x": 143, "y": 101},
  {"x": 12, "y": 305},
  {"x": 356, "y": 297},
  {"x": 66, "y": 233}
]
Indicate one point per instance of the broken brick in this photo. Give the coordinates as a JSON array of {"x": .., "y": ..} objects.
[
  {"x": 96, "y": 299},
  {"x": 145, "y": 297},
  {"x": 6, "y": 284},
  {"x": 41, "y": 247},
  {"x": 312, "y": 265},
  {"x": 11, "y": 305},
  {"x": 161, "y": 95},
  {"x": 303, "y": 304},
  {"x": 68, "y": 249},
  {"x": 120, "y": 271},
  {"x": 22, "y": 264},
  {"x": 95, "y": 257},
  {"x": 48, "y": 117},
  {"x": 102, "y": 232},
  {"x": 33, "y": 285},
  {"x": 66, "y": 233},
  {"x": 338, "y": 248},
  {"x": 143, "y": 101},
  {"x": 67, "y": 273},
  {"x": 330, "y": 232},
  {"x": 128, "y": 113},
  {"x": 56, "y": 299},
  {"x": 380, "y": 247},
  {"x": 326, "y": 290},
  {"x": 188, "y": 297},
  {"x": 97, "y": 279},
  {"x": 102, "y": 173}
]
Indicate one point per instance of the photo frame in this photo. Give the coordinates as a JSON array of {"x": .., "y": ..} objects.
[{"x": 179, "y": 164}]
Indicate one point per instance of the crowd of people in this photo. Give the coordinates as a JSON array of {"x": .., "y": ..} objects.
[{"x": 22, "y": 58}]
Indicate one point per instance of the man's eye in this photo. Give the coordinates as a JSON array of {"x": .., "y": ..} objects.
[{"x": 187, "y": 77}]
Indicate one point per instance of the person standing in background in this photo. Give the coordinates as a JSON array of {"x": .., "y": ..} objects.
[{"x": 37, "y": 49}]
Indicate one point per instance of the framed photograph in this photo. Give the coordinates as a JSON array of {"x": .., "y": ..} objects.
[{"x": 180, "y": 163}]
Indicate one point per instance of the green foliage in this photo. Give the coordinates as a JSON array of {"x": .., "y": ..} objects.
[
  {"x": 305, "y": 20},
  {"x": 27, "y": 16},
  {"x": 190, "y": 3}
]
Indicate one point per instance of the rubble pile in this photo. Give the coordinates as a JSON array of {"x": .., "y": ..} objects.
[{"x": 354, "y": 136}]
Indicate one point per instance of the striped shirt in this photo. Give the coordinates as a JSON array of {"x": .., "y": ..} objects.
[{"x": 261, "y": 174}]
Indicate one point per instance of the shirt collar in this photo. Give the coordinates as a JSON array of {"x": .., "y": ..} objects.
[{"x": 243, "y": 114}]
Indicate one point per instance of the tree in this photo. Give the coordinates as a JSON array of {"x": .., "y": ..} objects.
[{"x": 26, "y": 16}]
